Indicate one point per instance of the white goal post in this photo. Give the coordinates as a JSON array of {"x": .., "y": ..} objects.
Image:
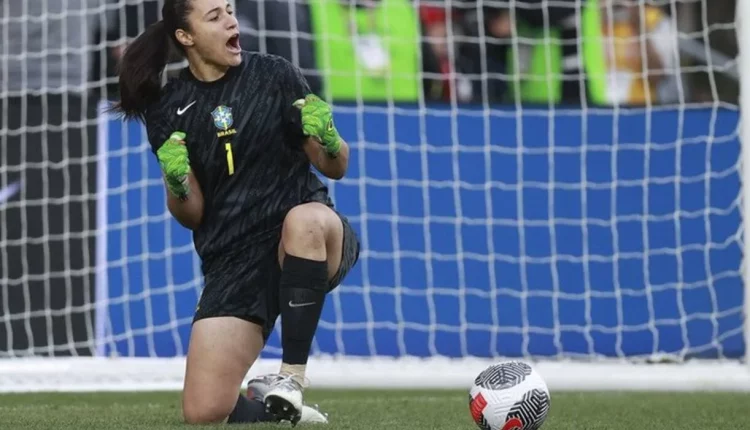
[
  {"x": 743, "y": 38},
  {"x": 166, "y": 374},
  {"x": 603, "y": 245}
]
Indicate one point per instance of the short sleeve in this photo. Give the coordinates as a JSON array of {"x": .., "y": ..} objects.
[
  {"x": 292, "y": 87},
  {"x": 157, "y": 129}
]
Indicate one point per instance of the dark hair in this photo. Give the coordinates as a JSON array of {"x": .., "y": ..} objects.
[{"x": 141, "y": 67}]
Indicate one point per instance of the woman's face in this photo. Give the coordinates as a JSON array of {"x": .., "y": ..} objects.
[{"x": 214, "y": 32}]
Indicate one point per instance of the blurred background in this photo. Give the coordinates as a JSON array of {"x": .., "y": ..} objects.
[
  {"x": 579, "y": 158},
  {"x": 485, "y": 51},
  {"x": 527, "y": 51}
]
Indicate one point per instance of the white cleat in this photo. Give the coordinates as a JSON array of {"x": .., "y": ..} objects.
[
  {"x": 284, "y": 399},
  {"x": 259, "y": 388},
  {"x": 312, "y": 415}
]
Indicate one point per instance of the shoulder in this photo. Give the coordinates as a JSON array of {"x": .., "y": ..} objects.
[
  {"x": 269, "y": 70},
  {"x": 259, "y": 62},
  {"x": 170, "y": 98},
  {"x": 265, "y": 59},
  {"x": 161, "y": 115}
]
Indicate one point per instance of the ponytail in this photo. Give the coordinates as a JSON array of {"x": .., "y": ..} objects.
[{"x": 141, "y": 69}]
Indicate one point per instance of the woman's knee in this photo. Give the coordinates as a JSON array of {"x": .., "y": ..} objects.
[
  {"x": 202, "y": 409},
  {"x": 221, "y": 351},
  {"x": 304, "y": 230}
]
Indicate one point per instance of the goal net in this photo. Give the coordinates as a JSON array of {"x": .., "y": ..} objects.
[{"x": 558, "y": 182}]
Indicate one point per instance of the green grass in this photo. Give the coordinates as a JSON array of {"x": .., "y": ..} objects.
[{"x": 391, "y": 410}]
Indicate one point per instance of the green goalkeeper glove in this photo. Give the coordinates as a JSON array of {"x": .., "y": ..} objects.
[
  {"x": 174, "y": 162},
  {"x": 317, "y": 121}
]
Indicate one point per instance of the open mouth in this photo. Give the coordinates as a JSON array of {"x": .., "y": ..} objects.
[{"x": 234, "y": 43}]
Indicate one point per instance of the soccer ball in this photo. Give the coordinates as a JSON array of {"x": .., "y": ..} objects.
[{"x": 509, "y": 395}]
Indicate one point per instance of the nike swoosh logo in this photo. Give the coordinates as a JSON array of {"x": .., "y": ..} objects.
[
  {"x": 7, "y": 192},
  {"x": 181, "y": 111},
  {"x": 299, "y": 305}
]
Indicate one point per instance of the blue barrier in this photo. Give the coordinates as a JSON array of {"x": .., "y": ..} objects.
[{"x": 630, "y": 248}]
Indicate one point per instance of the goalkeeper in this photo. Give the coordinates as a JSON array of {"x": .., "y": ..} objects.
[{"x": 235, "y": 135}]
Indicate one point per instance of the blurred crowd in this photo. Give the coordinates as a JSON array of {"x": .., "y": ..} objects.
[
  {"x": 623, "y": 52},
  {"x": 465, "y": 51}
]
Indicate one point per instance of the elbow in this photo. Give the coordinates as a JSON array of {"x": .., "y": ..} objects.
[
  {"x": 338, "y": 174},
  {"x": 189, "y": 213},
  {"x": 337, "y": 170},
  {"x": 192, "y": 223}
]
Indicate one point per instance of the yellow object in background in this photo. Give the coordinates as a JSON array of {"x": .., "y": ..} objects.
[{"x": 344, "y": 76}]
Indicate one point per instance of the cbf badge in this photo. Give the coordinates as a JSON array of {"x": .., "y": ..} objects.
[
  {"x": 223, "y": 120},
  {"x": 222, "y": 117}
]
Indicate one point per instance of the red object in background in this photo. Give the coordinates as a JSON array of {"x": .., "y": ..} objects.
[
  {"x": 432, "y": 14},
  {"x": 435, "y": 16}
]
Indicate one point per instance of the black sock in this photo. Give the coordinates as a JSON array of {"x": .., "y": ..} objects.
[
  {"x": 248, "y": 411},
  {"x": 303, "y": 289}
]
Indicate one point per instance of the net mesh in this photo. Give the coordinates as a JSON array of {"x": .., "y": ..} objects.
[{"x": 501, "y": 213}]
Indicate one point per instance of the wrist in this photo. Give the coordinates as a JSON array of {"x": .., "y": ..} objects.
[
  {"x": 333, "y": 147},
  {"x": 180, "y": 192},
  {"x": 177, "y": 136}
]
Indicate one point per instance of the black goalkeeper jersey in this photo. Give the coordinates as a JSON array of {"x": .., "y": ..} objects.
[{"x": 245, "y": 146}]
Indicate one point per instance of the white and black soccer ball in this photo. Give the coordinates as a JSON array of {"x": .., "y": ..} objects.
[{"x": 509, "y": 395}]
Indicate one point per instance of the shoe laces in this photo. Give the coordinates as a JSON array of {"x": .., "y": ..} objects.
[{"x": 292, "y": 379}]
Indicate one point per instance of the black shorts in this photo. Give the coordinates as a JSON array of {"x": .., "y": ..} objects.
[{"x": 246, "y": 286}]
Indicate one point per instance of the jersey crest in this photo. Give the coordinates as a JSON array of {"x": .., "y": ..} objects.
[
  {"x": 222, "y": 117},
  {"x": 223, "y": 120}
]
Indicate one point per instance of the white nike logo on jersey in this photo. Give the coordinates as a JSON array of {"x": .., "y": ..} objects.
[
  {"x": 7, "y": 192},
  {"x": 181, "y": 111},
  {"x": 299, "y": 305}
]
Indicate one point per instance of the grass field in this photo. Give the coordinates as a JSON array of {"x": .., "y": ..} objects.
[{"x": 392, "y": 410}]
